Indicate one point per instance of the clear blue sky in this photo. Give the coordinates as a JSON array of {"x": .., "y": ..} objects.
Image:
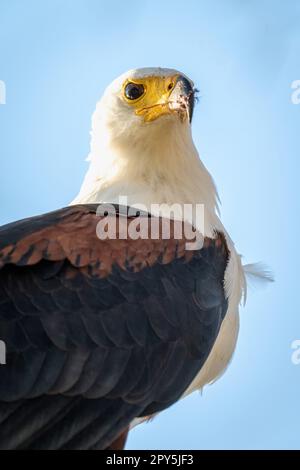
[{"x": 57, "y": 56}]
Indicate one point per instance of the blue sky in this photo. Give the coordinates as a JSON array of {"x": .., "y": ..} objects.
[{"x": 56, "y": 57}]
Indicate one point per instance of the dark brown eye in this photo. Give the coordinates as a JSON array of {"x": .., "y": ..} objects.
[{"x": 133, "y": 91}]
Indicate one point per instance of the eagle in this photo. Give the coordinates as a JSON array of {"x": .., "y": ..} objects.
[{"x": 104, "y": 332}]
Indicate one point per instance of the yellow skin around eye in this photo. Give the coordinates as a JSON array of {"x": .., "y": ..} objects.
[{"x": 155, "y": 100}]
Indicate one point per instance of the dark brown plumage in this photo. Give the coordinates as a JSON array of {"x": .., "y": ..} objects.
[{"x": 99, "y": 332}]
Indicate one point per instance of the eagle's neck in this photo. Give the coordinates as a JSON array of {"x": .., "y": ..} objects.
[{"x": 165, "y": 169}]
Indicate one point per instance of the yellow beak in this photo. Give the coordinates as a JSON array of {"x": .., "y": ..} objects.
[{"x": 163, "y": 96}]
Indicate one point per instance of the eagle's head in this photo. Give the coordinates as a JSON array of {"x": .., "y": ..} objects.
[
  {"x": 143, "y": 104},
  {"x": 142, "y": 144}
]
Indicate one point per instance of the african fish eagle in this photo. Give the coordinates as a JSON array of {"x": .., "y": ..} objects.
[{"x": 103, "y": 333}]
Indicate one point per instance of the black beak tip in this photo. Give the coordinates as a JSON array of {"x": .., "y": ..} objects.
[{"x": 188, "y": 91}]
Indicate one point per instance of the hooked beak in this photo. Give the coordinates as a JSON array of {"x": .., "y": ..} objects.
[
  {"x": 182, "y": 98},
  {"x": 166, "y": 96}
]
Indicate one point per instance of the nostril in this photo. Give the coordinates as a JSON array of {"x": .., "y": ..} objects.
[{"x": 170, "y": 87}]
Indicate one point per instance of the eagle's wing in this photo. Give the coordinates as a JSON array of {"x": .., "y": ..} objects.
[{"x": 99, "y": 332}]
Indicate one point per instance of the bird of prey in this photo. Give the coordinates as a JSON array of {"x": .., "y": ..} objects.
[{"x": 101, "y": 332}]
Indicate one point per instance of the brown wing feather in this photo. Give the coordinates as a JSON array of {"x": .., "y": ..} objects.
[
  {"x": 71, "y": 234},
  {"x": 99, "y": 332}
]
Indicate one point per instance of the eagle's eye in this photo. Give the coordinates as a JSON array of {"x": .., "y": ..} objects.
[{"x": 133, "y": 91}]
